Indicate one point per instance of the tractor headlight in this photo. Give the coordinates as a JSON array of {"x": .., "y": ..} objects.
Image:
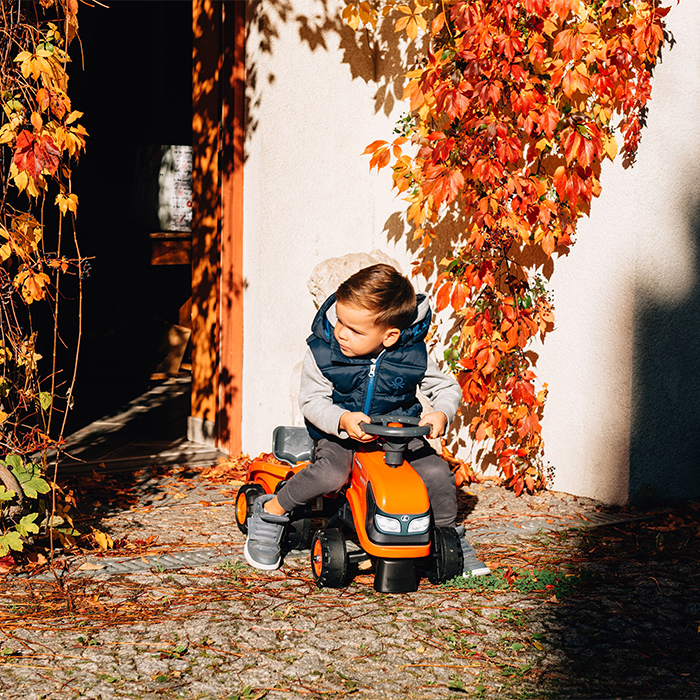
[
  {"x": 419, "y": 525},
  {"x": 387, "y": 525}
]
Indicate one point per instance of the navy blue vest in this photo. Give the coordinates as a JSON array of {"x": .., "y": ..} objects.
[{"x": 397, "y": 371}]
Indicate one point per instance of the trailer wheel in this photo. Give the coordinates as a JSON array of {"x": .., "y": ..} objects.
[
  {"x": 446, "y": 559},
  {"x": 329, "y": 558},
  {"x": 244, "y": 504}
]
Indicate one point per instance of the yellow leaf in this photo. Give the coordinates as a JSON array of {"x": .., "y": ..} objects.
[
  {"x": 610, "y": 147},
  {"x": 36, "y": 120},
  {"x": 7, "y": 134},
  {"x": 41, "y": 65},
  {"x": 549, "y": 28},
  {"x": 76, "y": 114},
  {"x": 5, "y": 353},
  {"x": 102, "y": 539},
  {"x": 21, "y": 180},
  {"x": 67, "y": 203},
  {"x": 3, "y": 416},
  {"x": 31, "y": 284},
  {"x": 26, "y": 234}
]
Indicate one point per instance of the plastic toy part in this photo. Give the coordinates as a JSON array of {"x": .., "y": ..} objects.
[
  {"x": 244, "y": 504},
  {"x": 446, "y": 559},
  {"x": 395, "y": 576},
  {"x": 298, "y": 535},
  {"x": 329, "y": 559},
  {"x": 292, "y": 444},
  {"x": 394, "y": 433}
]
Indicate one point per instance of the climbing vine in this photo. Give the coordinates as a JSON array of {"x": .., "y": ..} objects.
[
  {"x": 514, "y": 106},
  {"x": 40, "y": 138}
]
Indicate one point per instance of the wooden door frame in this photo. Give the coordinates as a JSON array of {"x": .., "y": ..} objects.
[{"x": 218, "y": 137}]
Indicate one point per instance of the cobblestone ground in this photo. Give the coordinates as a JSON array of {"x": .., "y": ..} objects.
[{"x": 605, "y": 612}]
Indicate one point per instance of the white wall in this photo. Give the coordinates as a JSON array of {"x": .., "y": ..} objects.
[
  {"x": 309, "y": 196},
  {"x": 618, "y": 366},
  {"x": 607, "y": 367}
]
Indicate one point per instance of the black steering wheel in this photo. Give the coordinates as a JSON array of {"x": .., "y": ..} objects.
[
  {"x": 394, "y": 438},
  {"x": 409, "y": 428}
]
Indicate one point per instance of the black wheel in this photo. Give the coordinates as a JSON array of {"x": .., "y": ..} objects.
[
  {"x": 244, "y": 504},
  {"x": 447, "y": 560},
  {"x": 299, "y": 529},
  {"x": 329, "y": 558},
  {"x": 298, "y": 535},
  {"x": 11, "y": 509}
]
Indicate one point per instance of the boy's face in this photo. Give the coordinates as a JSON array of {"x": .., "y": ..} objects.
[{"x": 357, "y": 333}]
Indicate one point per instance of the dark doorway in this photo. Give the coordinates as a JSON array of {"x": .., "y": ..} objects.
[{"x": 134, "y": 86}]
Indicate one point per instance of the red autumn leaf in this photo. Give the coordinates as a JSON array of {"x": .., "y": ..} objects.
[
  {"x": 443, "y": 296},
  {"x": 518, "y": 485},
  {"x": 34, "y": 154},
  {"x": 459, "y": 297}
]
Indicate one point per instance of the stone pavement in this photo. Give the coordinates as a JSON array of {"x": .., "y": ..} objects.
[
  {"x": 584, "y": 602},
  {"x": 143, "y": 445}
]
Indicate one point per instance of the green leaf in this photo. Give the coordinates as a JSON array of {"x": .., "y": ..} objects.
[
  {"x": 35, "y": 486},
  {"x": 27, "y": 525},
  {"x": 15, "y": 463},
  {"x": 28, "y": 475},
  {"x": 45, "y": 399},
  {"x": 6, "y": 495},
  {"x": 10, "y": 540}
]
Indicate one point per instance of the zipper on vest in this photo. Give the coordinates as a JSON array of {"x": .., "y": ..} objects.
[{"x": 370, "y": 386}]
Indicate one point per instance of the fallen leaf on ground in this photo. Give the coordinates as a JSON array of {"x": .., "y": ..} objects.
[{"x": 90, "y": 566}]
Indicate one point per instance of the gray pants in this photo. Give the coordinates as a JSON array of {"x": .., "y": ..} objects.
[{"x": 330, "y": 470}]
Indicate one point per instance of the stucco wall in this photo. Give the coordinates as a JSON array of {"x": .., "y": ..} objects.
[
  {"x": 309, "y": 194},
  {"x": 624, "y": 361},
  {"x": 622, "y": 364}
]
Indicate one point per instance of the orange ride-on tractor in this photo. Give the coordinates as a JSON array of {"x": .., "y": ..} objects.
[{"x": 382, "y": 514}]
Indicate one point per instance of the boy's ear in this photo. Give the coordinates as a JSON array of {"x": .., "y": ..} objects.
[{"x": 390, "y": 337}]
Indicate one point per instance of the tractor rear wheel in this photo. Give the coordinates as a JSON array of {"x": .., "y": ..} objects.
[
  {"x": 244, "y": 504},
  {"x": 299, "y": 529},
  {"x": 329, "y": 558}
]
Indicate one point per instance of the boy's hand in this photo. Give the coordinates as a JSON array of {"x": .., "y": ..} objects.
[
  {"x": 350, "y": 423},
  {"x": 437, "y": 421}
]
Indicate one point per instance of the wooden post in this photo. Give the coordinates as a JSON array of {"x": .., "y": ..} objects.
[
  {"x": 233, "y": 138},
  {"x": 218, "y": 93}
]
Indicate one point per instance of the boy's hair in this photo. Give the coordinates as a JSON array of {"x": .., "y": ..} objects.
[{"x": 384, "y": 292}]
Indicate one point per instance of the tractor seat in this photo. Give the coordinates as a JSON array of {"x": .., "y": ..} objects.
[{"x": 292, "y": 444}]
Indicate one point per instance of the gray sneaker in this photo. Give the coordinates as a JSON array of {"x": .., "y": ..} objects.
[
  {"x": 262, "y": 546},
  {"x": 473, "y": 566}
]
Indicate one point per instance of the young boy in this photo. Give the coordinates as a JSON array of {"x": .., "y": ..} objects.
[{"x": 366, "y": 356}]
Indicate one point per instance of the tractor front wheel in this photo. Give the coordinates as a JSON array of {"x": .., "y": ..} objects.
[
  {"x": 447, "y": 560},
  {"x": 329, "y": 558},
  {"x": 244, "y": 504}
]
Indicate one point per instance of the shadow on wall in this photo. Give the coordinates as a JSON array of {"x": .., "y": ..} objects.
[
  {"x": 373, "y": 55},
  {"x": 665, "y": 432}
]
